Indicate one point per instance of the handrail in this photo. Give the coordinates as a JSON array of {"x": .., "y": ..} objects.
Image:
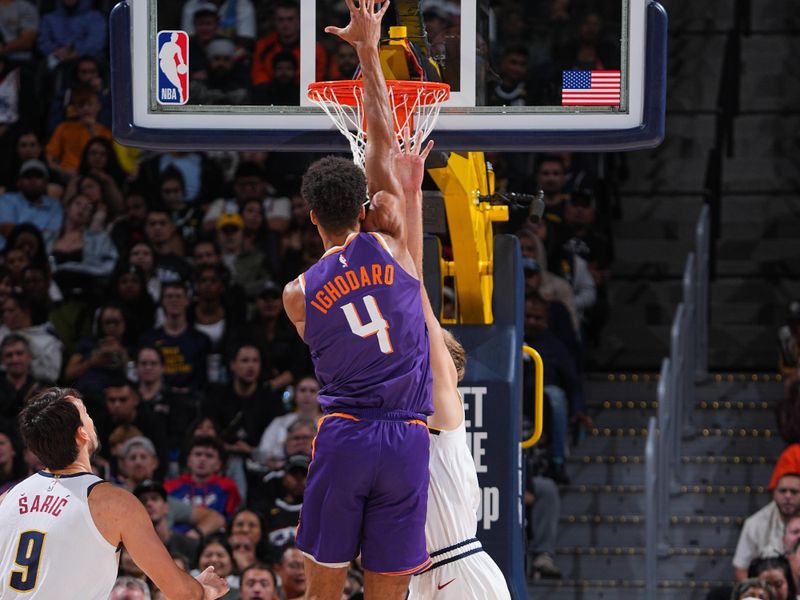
[
  {"x": 702, "y": 252},
  {"x": 651, "y": 511},
  {"x": 538, "y": 398}
]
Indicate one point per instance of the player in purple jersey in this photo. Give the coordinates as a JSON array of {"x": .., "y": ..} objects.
[{"x": 359, "y": 310}]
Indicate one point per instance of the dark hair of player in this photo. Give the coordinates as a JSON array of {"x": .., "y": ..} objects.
[{"x": 335, "y": 189}]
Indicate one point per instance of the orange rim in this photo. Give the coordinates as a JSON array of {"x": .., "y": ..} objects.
[{"x": 344, "y": 92}]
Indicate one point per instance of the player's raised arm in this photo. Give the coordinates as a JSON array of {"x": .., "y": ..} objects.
[
  {"x": 410, "y": 168},
  {"x": 363, "y": 33}
]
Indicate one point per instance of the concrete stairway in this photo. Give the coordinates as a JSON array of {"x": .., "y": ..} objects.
[{"x": 726, "y": 464}]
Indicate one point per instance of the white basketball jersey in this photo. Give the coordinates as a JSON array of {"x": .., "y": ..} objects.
[
  {"x": 49, "y": 545},
  {"x": 465, "y": 573},
  {"x": 453, "y": 493}
]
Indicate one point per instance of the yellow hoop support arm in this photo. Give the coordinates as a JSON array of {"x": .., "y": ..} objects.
[{"x": 538, "y": 394}]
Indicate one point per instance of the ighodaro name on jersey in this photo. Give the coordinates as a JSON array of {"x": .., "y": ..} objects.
[
  {"x": 350, "y": 281},
  {"x": 51, "y": 504}
]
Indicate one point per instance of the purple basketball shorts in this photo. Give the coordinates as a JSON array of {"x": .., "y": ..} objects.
[{"x": 367, "y": 492}]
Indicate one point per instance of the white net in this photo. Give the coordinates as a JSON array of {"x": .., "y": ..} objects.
[{"x": 416, "y": 109}]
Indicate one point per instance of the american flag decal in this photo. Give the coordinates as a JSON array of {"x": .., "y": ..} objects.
[{"x": 590, "y": 88}]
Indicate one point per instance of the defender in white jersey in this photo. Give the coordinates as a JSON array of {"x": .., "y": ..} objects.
[
  {"x": 61, "y": 529},
  {"x": 461, "y": 570}
]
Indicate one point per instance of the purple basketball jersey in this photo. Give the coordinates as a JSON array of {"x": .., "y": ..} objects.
[{"x": 366, "y": 330}]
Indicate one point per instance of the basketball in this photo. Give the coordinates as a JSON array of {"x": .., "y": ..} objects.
[{"x": 182, "y": 69}]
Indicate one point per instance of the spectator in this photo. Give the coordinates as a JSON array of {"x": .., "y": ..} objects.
[
  {"x": 174, "y": 409},
  {"x": 237, "y": 19},
  {"x": 81, "y": 256},
  {"x": 71, "y": 318},
  {"x": 285, "y": 357},
  {"x": 207, "y": 253},
  {"x": 186, "y": 217},
  {"x": 19, "y": 25},
  {"x": 167, "y": 246},
  {"x": 65, "y": 148},
  {"x": 216, "y": 553},
  {"x": 202, "y": 176},
  {"x": 206, "y": 28},
  {"x": 570, "y": 266},
  {"x": 123, "y": 406},
  {"x": 589, "y": 243},
  {"x": 752, "y": 587},
  {"x": 247, "y": 267},
  {"x": 16, "y": 379},
  {"x": 16, "y": 88},
  {"x": 249, "y": 183},
  {"x": 283, "y": 89},
  {"x": 344, "y": 63},
  {"x": 105, "y": 198},
  {"x": 550, "y": 286},
  {"x": 128, "y": 229},
  {"x": 226, "y": 79},
  {"x": 130, "y": 588},
  {"x": 562, "y": 386},
  {"x": 762, "y": 532},
  {"x": 101, "y": 360},
  {"x": 285, "y": 38},
  {"x": 27, "y": 238},
  {"x": 26, "y": 146},
  {"x": 30, "y": 204},
  {"x": 211, "y": 315},
  {"x": 551, "y": 179},
  {"x": 279, "y": 496},
  {"x": 183, "y": 348},
  {"x": 142, "y": 257},
  {"x": 12, "y": 465},
  {"x": 100, "y": 161},
  {"x": 137, "y": 459},
  {"x": 776, "y": 572},
  {"x": 248, "y": 523},
  {"x": 791, "y": 542},
  {"x": 202, "y": 484},
  {"x": 70, "y": 30},
  {"x": 154, "y": 498},
  {"x": 244, "y": 550},
  {"x": 258, "y": 583},
  {"x": 128, "y": 287},
  {"x": 291, "y": 573},
  {"x": 87, "y": 71},
  {"x": 242, "y": 408},
  {"x": 45, "y": 347},
  {"x": 789, "y": 343},
  {"x": 511, "y": 90},
  {"x": 272, "y": 443},
  {"x": 544, "y": 510}
]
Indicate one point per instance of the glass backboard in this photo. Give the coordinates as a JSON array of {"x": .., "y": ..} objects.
[{"x": 524, "y": 74}]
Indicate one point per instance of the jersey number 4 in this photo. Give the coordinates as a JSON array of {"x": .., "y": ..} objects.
[
  {"x": 29, "y": 553},
  {"x": 376, "y": 326}
]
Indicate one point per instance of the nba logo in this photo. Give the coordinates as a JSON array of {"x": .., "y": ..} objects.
[{"x": 173, "y": 67}]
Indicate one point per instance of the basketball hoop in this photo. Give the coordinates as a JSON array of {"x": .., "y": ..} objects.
[{"x": 415, "y": 105}]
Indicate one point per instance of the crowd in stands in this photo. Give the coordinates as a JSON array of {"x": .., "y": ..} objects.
[
  {"x": 151, "y": 282},
  {"x": 766, "y": 562}
]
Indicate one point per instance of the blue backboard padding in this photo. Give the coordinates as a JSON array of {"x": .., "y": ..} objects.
[{"x": 647, "y": 135}]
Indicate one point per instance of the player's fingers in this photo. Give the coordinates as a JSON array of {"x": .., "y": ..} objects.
[
  {"x": 351, "y": 5},
  {"x": 419, "y": 137},
  {"x": 383, "y": 9},
  {"x": 407, "y": 138},
  {"x": 428, "y": 148},
  {"x": 334, "y": 30}
]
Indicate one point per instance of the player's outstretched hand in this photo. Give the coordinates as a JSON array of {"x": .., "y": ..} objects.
[
  {"x": 408, "y": 160},
  {"x": 364, "y": 29},
  {"x": 214, "y": 586}
]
